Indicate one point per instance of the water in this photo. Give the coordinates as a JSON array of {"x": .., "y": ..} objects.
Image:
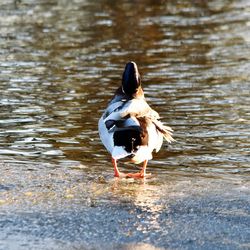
[{"x": 61, "y": 61}]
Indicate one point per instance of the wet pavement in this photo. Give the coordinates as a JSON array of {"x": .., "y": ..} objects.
[{"x": 82, "y": 212}]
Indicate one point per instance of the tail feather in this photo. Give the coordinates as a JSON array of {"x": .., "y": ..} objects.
[
  {"x": 129, "y": 137},
  {"x": 165, "y": 130}
]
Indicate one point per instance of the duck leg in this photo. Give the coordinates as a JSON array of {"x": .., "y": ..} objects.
[
  {"x": 116, "y": 170},
  {"x": 117, "y": 173},
  {"x": 141, "y": 174}
]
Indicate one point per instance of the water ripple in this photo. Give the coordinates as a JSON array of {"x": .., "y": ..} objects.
[{"x": 60, "y": 64}]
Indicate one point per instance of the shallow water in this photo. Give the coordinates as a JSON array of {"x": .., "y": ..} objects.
[{"x": 60, "y": 62}]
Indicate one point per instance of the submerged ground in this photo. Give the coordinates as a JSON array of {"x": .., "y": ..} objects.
[{"x": 60, "y": 63}]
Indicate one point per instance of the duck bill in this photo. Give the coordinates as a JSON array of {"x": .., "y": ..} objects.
[{"x": 131, "y": 80}]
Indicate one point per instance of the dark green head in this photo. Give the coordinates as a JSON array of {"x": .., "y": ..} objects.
[{"x": 131, "y": 80}]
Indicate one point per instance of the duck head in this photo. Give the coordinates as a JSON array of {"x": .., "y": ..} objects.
[{"x": 131, "y": 80}]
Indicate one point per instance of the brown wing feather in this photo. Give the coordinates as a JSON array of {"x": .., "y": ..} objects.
[{"x": 165, "y": 130}]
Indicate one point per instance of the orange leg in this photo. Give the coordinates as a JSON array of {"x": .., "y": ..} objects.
[
  {"x": 116, "y": 171},
  {"x": 141, "y": 174}
]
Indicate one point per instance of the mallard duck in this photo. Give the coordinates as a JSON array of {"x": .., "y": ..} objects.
[{"x": 129, "y": 128}]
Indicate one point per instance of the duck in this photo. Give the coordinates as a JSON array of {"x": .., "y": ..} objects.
[{"x": 129, "y": 128}]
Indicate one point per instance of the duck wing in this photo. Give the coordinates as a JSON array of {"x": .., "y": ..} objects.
[
  {"x": 128, "y": 113},
  {"x": 165, "y": 130},
  {"x": 139, "y": 108}
]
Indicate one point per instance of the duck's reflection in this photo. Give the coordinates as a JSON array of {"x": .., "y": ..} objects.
[{"x": 143, "y": 199}]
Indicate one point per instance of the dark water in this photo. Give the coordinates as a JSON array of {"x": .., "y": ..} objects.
[{"x": 60, "y": 62}]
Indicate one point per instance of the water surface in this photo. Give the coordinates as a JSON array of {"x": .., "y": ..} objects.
[{"x": 60, "y": 63}]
